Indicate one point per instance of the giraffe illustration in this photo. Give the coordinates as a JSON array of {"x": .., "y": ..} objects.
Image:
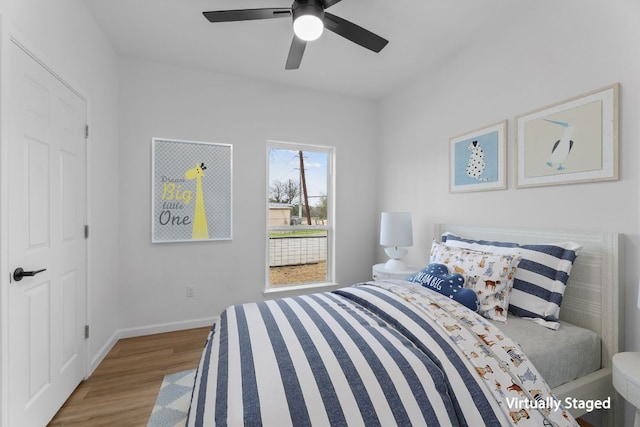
[{"x": 200, "y": 228}]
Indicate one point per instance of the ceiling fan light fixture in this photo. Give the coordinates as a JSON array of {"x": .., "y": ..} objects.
[{"x": 308, "y": 21}]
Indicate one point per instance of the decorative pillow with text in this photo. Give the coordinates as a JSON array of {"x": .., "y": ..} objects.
[{"x": 437, "y": 278}]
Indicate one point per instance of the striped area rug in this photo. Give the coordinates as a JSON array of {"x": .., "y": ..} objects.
[{"x": 173, "y": 400}]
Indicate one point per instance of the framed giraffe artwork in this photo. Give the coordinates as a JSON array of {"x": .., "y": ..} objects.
[
  {"x": 575, "y": 140},
  {"x": 477, "y": 159},
  {"x": 191, "y": 196}
]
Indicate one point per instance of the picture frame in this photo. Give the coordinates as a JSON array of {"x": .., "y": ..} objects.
[
  {"x": 191, "y": 191},
  {"x": 572, "y": 141},
  {"x": 478, "y": 159}
]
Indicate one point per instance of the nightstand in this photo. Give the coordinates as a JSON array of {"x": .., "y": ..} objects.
[
  {"x": 381, "y": 273},
  {"x": 626, "y": 379}
]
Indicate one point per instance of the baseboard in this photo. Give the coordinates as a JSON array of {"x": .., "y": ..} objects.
[
  {"x": 106, "y": 348},
  {"x": 165, "y": 327},
  {"x": 146, "y": 330}
]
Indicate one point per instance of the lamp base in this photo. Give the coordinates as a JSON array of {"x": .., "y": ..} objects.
[
  {"x": 396, "y": 252},
  {"x": 395, "y": 265}
]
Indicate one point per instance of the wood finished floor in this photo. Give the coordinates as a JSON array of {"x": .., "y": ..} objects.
[{"x": 123, "y": 389}]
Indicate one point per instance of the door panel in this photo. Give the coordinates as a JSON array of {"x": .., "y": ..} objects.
[
  {"x": 37, "y": 320},
  {"x": 68, "y": 198},
  {"x": 70, "y": 321},
  {"x": 37, "y": 171}
]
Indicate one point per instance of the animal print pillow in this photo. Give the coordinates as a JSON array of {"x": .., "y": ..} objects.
[{"x": 489, "y": 275}]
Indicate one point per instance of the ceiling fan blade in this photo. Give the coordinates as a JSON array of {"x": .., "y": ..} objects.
[
  {"x": 353, "y": 32},
  {"x": 295, "y": 54},
  {"x": 247, "y": 14},
  {"x": 329, "y": 3}
]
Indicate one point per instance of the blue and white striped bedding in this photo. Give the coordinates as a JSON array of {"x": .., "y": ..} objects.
[{"x": 383, "y": 353}]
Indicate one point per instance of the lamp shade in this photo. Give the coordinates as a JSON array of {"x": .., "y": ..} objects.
[{"x": 395, "y": 229}]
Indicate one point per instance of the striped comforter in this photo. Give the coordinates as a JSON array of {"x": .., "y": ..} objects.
[{"x": 377, "y": 354}]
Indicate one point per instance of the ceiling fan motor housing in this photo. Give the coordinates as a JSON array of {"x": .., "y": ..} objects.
[{"x": 308, "y": 7}]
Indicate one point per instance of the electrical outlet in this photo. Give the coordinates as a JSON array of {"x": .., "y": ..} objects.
[{"x": 191, "y": 291}]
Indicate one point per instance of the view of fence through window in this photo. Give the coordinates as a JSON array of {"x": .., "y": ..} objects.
[{"x": 298, "y": 204}]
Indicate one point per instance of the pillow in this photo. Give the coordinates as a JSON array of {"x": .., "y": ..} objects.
[
  {"x": 540, "y": 280},
  {"x": 437, "y": 278},
  {"x": 489, "y": 275}
]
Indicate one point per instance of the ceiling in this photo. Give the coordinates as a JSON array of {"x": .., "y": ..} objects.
[{"x": 421, "y": 35}]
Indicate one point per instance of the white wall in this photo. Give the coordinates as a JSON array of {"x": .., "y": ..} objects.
[
  {"x": 65, "y": 38},
  {"x": 549, "y": 55},
  {"x": 159, "y": 100}
]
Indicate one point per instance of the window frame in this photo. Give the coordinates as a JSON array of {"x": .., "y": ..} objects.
[{"x": 329, "y": 227}]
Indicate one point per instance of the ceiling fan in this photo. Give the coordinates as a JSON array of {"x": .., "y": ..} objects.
[{"x": 309, "y": 21}]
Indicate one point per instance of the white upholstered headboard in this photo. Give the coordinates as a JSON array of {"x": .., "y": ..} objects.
[{"x": 594, "y": 295}]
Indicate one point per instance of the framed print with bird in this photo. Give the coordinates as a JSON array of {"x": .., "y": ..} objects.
[{"x": 572, "y": 141}]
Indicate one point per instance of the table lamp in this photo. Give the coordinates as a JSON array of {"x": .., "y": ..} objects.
[{"x": 396, "y": 234}]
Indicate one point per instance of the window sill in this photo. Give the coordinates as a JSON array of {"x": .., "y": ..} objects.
[{"x": 294, "y": 288}]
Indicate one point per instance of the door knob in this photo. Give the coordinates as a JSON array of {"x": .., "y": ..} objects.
[{"x": 19, "y": 273}]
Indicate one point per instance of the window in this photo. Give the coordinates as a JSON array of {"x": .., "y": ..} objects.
[{"x": 300, "y": 217}]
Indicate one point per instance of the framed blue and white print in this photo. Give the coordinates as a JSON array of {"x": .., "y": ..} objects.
[{"x": 478, "y": 159}]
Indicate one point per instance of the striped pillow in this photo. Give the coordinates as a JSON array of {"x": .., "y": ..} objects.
[{"x": 541, "y": 277}]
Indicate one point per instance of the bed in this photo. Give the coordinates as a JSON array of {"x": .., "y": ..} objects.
[{"x": 397, "y": 353}]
